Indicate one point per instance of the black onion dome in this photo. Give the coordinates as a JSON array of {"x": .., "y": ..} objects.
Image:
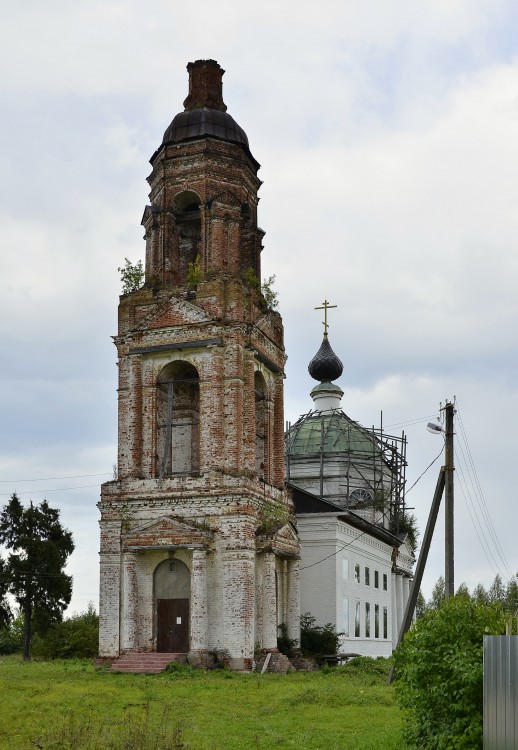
[
  {"x": 205, "y": 121},
  {"x": 205, "y": 113},
  {"x": 325, "y": 365}
]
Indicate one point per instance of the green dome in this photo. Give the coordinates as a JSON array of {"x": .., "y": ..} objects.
[{"x": 340, "y": 434}]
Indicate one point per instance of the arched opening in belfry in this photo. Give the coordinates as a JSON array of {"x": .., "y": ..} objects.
[
  {"x": 172, "y": 591},
  {"x": 261, "y": 427},
  {"x": 178, "y": 419},
  {"x": 249, "y": 257},
  {"x": 186, "y": 208}
]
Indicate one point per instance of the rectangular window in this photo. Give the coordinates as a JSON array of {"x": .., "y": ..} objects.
[
  {"x": 384, "y": 581},
  {"x": 376, "y": 621},
  {"x": 357, "y": 573},
  {"x": 367, "y": 620},
  {"x": 345, "y": 616},
  {"x": 367, "y": 577},
  {"x": 376, "y": 579},
  {"x": 385, "y": 622},
  {"x": 357, "y": 619},
  {"x": 345, "y": 569}
]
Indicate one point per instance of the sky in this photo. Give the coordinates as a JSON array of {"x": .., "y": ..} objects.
[{"x": 387, "y": 135}]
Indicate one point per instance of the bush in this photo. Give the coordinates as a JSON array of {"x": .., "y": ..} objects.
[
  {"x": 285, "y": 644},
  {"x": 132, "y": 276},
  {"x": 318, "y": 640},
  {"x": 366, "y": 665},
  {"x": 11, "y": 637},
  {"x": 77, "y": 637},
  {"x": 439, "y": 677}
]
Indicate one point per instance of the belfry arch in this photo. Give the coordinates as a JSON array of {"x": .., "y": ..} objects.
[
  {"x": 261, "y": 426},
  {"x": 177, "y": 419},
  {"x": 186, "y": 211}
]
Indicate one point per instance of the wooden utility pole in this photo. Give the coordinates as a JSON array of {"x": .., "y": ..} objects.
[
  {"x": 449, "y": 468},
  {"x": 421, "y": 563}
]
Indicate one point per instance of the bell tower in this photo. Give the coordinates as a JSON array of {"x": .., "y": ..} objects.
[{"x": 198, "y": 518}]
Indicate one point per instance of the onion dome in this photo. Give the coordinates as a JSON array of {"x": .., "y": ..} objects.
[
  {"x": 205, "y": 112},
  {"x": 204, "y": 121},
  {"x": 325, "y": 365}
]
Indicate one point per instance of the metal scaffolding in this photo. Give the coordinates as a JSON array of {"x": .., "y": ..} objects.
[{"x": 361, "y": 467}]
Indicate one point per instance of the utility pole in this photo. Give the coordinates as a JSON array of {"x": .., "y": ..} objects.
[
  {"x": 449, "y": 468},
  {"x": 444, "y": 486}
]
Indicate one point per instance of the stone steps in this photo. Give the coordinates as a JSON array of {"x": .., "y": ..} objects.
[{"x": 145, "y": 662}]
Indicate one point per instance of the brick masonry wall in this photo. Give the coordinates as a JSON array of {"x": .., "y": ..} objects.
[{"x": 210, "y": 516}]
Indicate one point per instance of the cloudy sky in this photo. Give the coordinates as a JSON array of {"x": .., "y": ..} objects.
[{"x": 387, "y": 131}]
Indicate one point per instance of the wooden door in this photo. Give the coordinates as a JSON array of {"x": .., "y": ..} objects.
[{"x": 173, "y": 626}]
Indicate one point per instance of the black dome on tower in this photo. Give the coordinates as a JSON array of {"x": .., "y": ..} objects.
[
  {"x": 205, "y": 112},
  {"x": 325, "y": 365}
]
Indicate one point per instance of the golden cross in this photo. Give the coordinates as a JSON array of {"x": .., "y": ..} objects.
[{"x": 325, "y": 307}]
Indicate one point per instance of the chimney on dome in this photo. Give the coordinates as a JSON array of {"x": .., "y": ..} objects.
[{"x": 205, "y": 86}]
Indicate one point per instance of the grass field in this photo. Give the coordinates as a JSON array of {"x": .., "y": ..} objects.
[{"x": 69, "y": 704}]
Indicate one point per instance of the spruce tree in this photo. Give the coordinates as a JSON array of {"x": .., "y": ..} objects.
[
  {"x": 34, "y": 569},
  {"x": 496, "y": 591}
]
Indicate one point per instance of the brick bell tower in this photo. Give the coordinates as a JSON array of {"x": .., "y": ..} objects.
[{"x": 199, "y": 553}]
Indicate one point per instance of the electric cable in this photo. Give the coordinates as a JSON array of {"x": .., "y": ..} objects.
[
  {"x": 55, "y": 489},
  {"x": 415, "y": 420},
  {"x": 483, "y": 542},
  {"x": 48, "y": 479},
  {"x": 424, "y": 472},
  {"x": 336, "y": 552},
  {"x": 479, "y": 495}
]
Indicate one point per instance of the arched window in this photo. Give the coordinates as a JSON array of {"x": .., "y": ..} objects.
[
  {"x": 261, "y": 427},
  {"x": 249, "y": 257},
  {"x": 177, "y": 419},
  {"x": 188, "y": 223}
]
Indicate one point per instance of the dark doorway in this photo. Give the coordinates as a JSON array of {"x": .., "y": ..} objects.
[{"x": 173, "y": 626}]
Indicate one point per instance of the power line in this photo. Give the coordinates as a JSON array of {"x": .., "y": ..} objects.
[
  {"x": 48, "y": 479},
  {"x": 55, "y": 489},
  {"x": 424, "y": 472},
  {"x": 479, "y": 496},
  {"x": 476, "y": 525},
  {"x": 334, "y": 553},
  {"x": 415, "y": 420}
]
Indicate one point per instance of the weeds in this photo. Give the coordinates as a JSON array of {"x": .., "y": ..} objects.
[{"x": 138, "y": 729}]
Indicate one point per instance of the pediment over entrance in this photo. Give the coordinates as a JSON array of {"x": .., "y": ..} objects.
[
  {"x": 167, "y": 532},
  {"x": 287, "y": 533},
  {"x": 172, "y": 312},
  {"x": 284, "y": 540}
]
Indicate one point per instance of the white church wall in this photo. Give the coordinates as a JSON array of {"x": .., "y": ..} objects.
[{"x": 331, "y": 596}]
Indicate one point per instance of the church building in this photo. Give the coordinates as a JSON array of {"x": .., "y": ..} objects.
[
  {"x": 199, "y": 553},
  {"x": 348, "y": 486}
]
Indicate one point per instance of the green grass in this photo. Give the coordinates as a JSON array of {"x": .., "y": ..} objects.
[{"x": 63, "y": 705}]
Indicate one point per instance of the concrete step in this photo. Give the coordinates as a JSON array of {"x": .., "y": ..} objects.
[{"x": 145, "y": 662}]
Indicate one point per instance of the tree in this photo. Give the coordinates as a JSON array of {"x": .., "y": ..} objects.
[
  {"x": 420, "y": 607},
  {"x": 407, "y": 523},
  {"x": 270, "y": 296},
  {"x": 438, "y": 594},
  {"x": 480, "y": 595},
  {"x": 463, "y": 590},
  {"x": 511, "y": 596},
  {"x": 496, "y": 591},
  {"x": 132, "y": 276},
  {"x": 5, "y": 610},
  {"x": 34, "y": 569},
  {"x": 439, "y": 674}
]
